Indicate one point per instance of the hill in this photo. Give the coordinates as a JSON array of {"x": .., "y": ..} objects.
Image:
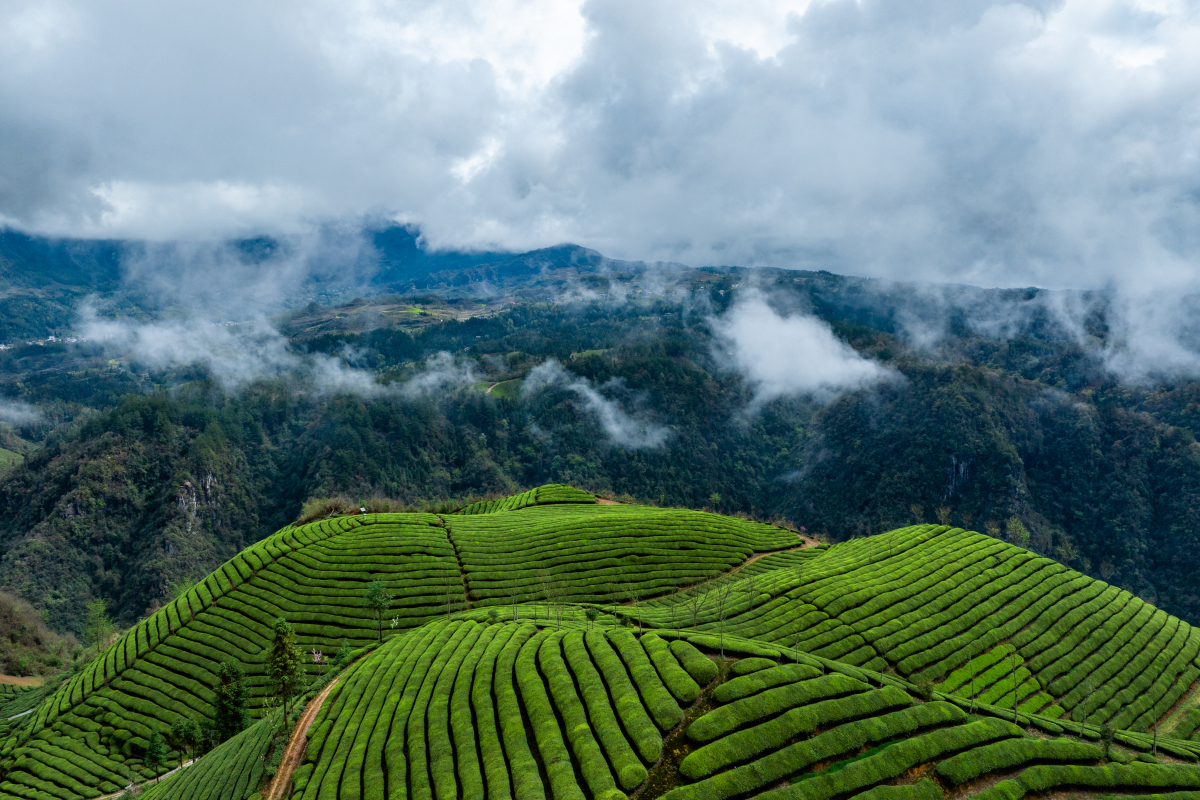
[{"x": 550, "y": 646}]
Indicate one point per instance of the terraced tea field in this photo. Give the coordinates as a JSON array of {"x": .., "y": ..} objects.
[
  {"x": 929, "y": 662},
  {"x": 938, "y": 604}
]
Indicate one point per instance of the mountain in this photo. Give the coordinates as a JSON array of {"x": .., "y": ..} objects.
[
  {"x": 552, "y": 645},
  {"x": 145, "y": 478}
]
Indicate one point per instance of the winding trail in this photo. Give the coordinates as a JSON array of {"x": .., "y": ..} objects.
[
  {"x": 807, "y": 543},
  {"x": 187, "y": 763},
  {"x": 277, "y": 789}
]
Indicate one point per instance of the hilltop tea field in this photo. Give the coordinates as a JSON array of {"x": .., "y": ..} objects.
[{"x": 550, "y": 646}]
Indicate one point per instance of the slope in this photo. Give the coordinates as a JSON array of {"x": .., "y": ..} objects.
[
  {"x": 938, "y": 604},
  {"x": 82, "y": 740},
  {"x": 752, "y": 673}
]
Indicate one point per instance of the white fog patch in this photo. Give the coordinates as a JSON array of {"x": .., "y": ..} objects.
[
  {"x": 442, "y": 373},
  {"x": 236, "y": 355},
  {"x": 793, "y": 355},
  {"x": 1154, "y": 335},
  {"x": 19, "y": 413},
  {"x": 622, "y": 428}
]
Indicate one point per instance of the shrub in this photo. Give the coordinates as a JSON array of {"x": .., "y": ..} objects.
[
  {"x": 1012, "y": 752},
  {"x": 700, "y": 667}
]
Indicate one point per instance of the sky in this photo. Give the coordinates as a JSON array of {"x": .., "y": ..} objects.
[{"x": 1000, "y": 144}]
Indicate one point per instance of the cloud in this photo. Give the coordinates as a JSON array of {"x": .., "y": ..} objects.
[
  {"x": 19, "y": 413},
  {"x": 621, "y": 428},
  {"x": 442, "y": 373},
  {"x": 793, "y": 355},
  {"x": 238, "y": 354},
  {"x": 995, "y": 143},
  {"x": 986, "y": 142}
]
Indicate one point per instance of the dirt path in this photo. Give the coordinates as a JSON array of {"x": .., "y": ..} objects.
[
  {"x": 295, "y": 748},
  {"x": 13, "y": 680},
  {"x": 148, "y": 783},
  {"x": 809, "y": 542},
  {"x": 489, "y": 389}
]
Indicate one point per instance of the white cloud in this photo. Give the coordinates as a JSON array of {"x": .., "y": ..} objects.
[
  {"x": 793, "y": 355},
  {"x": 621, "y": 428},
  {"x": 19, "y": 413},
  {"x": 237, "y": 355},
  {"x": 997, "y": 143}
]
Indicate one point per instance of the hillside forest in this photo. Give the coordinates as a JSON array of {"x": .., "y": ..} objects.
[{"x": 135, "y": 478}]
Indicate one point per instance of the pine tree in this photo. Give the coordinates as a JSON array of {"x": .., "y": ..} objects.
[
  {"x": 284, "y": 666},
  {"x": 98, "y": 625},
  {"x": 230, "y": 716},
  {"x": 344, "y": 654},
  {"x": 156, "y": 751},
  {"x": 378, "y": 601},
  {"x": 184, "y": 736}
]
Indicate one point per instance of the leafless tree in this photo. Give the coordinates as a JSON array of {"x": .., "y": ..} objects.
[
  {"x": 723, "y": 594},
  {"x": 696, "y": 600},
  {"x": 514, "y": 594}
]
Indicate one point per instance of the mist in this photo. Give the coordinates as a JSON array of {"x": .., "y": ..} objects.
[
  {"x": 788, "y": 355},
  {"x": 19, "y": 413},
  {"x": 621, "y": 428}
]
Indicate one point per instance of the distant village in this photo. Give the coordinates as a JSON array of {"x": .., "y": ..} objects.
[{"x": 48, "y": 340}]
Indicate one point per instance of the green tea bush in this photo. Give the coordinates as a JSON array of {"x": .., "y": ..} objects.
[
  {"x": 673, "y": 675},
  {"x": 755, "y": 682},
  {"x": 776, "y": 733},
  {"x": 1133, "y": 776},
  {"x": 232, "y": 771},
  {"x": 728, "y": 718},
  {"x": 661, "y": 705},
  {"x": 924, "y": 789},
  {"x": 629, "y": 706},
  {"x": 843, "y": 739},
  {"x": 629, "y": 770},
  {"x": 701, "y": 668},
  {"x": 1013, "y": 752}
]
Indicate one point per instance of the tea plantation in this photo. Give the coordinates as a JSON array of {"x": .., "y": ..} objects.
[{"x": 546, "y": 646}]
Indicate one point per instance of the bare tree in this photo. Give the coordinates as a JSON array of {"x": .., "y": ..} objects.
[
  {"x": 723, "y": 594},
  {"x": 453, "y": 596},
  {"x": 514, "y": 594},
  {"x": 696, "y": 600},
  {"x": 631, "y": 591}
]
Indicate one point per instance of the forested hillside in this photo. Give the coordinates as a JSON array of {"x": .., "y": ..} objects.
[{"x": 136, "y": 478}]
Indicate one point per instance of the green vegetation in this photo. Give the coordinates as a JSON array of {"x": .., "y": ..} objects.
[
  {"x": 556, "y": 677},
  {"x": 847, "y": 671},
  {"x": 542, "y": 495},
  {"x": 232, "y": 771},
  {"x": 940, "y": 604},
  {"x": 1104, "y": 475},
  {"x": 9, "y": 461},
  {"x": 27, "y": 647}
]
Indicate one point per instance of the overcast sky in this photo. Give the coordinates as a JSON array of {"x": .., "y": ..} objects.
[{"x": 1054, "y": 144}]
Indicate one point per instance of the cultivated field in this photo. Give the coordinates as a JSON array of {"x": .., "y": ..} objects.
[{"x": 545, "y": 646}]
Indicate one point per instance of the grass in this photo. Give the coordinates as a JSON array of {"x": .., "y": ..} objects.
[{"x": 9, "y": 460}]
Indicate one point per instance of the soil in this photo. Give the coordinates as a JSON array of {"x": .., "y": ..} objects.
[
  {"x": 281, "y": 783},
  {"x": 13, "y": 680}
]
